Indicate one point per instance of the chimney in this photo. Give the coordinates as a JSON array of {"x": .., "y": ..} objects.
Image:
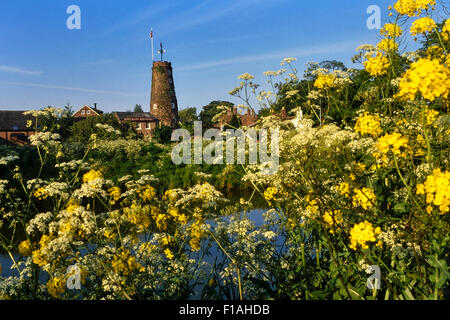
[
  {"x": 283, "y": 113},
  {"x": 95, "y": 106}
]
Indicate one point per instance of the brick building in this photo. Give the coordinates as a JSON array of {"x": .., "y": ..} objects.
[
  {"x": 13, "y": 127},
  {"x": 143, "y": 122},
  {"x": 247, "y": 120}
]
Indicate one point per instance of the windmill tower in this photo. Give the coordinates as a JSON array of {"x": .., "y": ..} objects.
[{"x": 163, "y": 101}]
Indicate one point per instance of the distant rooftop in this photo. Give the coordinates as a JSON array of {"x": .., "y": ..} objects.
[
  {"x": 14, "y": 121},
  {"x": 134, "y": 115}
]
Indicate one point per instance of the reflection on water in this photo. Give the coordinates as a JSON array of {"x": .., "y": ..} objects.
[{"x": 256, "y": 215}]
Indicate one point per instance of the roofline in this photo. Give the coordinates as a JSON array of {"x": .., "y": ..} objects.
[{"x": 96, "y": 111}]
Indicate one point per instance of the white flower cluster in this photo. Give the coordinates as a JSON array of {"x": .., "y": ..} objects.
[
  {"x": 45, "y": 138},
  {"x": 3, "y": 184},
  {"x": 48, "y": 111},
  {"x": 35, "y": 183},
  {"x": 93, "y": 188},
  {"x": 73, "y": 165},
  {"x": 8, "y": 159},
  {"x": 39, "y": 223},
  {"x": 205, "y": 193},
  {"x": 108, "y": 128}
]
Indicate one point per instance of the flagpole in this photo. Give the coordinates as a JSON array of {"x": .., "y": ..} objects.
[{"x": 151, "y": 34}]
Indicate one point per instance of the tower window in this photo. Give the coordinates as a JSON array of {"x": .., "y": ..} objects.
[
  {"x": 173, "y": 105},
  {"x": 155, "y": 106}
]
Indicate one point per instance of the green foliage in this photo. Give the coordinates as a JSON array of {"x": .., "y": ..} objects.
[
  {"x": 186, "y": 119},
  {"x": 210, "y": 110},
  {"x": 187, "y": 114},
  {"x": 162, "y": 134},
  {"x": 82, "y": 129}
]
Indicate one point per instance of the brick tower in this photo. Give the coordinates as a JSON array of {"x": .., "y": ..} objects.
[{"x": 163, "y": 102}]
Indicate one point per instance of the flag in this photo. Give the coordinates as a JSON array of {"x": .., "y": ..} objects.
[{"x": 151, "y": 34}]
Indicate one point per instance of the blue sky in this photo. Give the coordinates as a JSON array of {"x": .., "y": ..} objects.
[{"x": 209, "y": 42}]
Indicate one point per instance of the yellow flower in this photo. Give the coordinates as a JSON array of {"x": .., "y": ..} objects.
[
  {"x": 147, "y": 193},
  {"x": 165, "y": 241},
  {"x": 364, "y": 198},
  {"x": 344, "y": 189},
  {"x": 25, "y": 248},
  {"x": 363, "y": 233},
  {"x": 428, "y": 77},
  {"x": 387, "y": 45},
  {"x": 56, "y": 286},
  {"x": 92, "y": 175},
  {"x": 312, "y": 207},
  {"x": 270, "y": 194},
  {"x": 333, "y": 219},
  {"x": 41, "y": 193},
  {"x": 431, "y": 116},
  {"x": 391, "y": 30},
  {"x": 137, "y": 215},
  {"x": 39, "y": 256},
  {"x": 446, "y": 30},
  {"x": 393, "y": 143},
  {"x": 368, "y": 124},
  {"x": 361, "y": 167},
  {"x": 422, "y": 25},
  {"x": 108, "y": 234},
  {"x": 124, "y": 263},
  {"x": 168, "y": 254},
  {"x": 72, "y": 205},
  {"x": 115, "y": 193},
  {"x": 376, "y": 66},
  {"x": 325, "y": 81},
  {"x": 437, "y": 190},
  {"x": 170, "y": 195},
  {"x": 413, "y": 8},
  {"x": 196, "y": 234}
]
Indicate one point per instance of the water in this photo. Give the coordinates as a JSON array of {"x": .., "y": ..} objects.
[{"x": 256, "y": 215}]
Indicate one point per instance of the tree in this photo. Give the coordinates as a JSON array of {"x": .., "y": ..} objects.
[
  {"x": 162, "y": 134},
  {"x": 188, "y": 115},
  {"x": 138, "y": 108},
  {"x": 210, "y": 110},
  {"x": 330, "y": 65},
  {"x": 82, "y": 130},
  {"x": 186, "y": 119}
]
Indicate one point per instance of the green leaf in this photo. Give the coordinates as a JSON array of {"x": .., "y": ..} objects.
[
  {"x": 407, "y": 294},
  {"x": 440, "y": 264},
  {"x": 401, "y": 208}
]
